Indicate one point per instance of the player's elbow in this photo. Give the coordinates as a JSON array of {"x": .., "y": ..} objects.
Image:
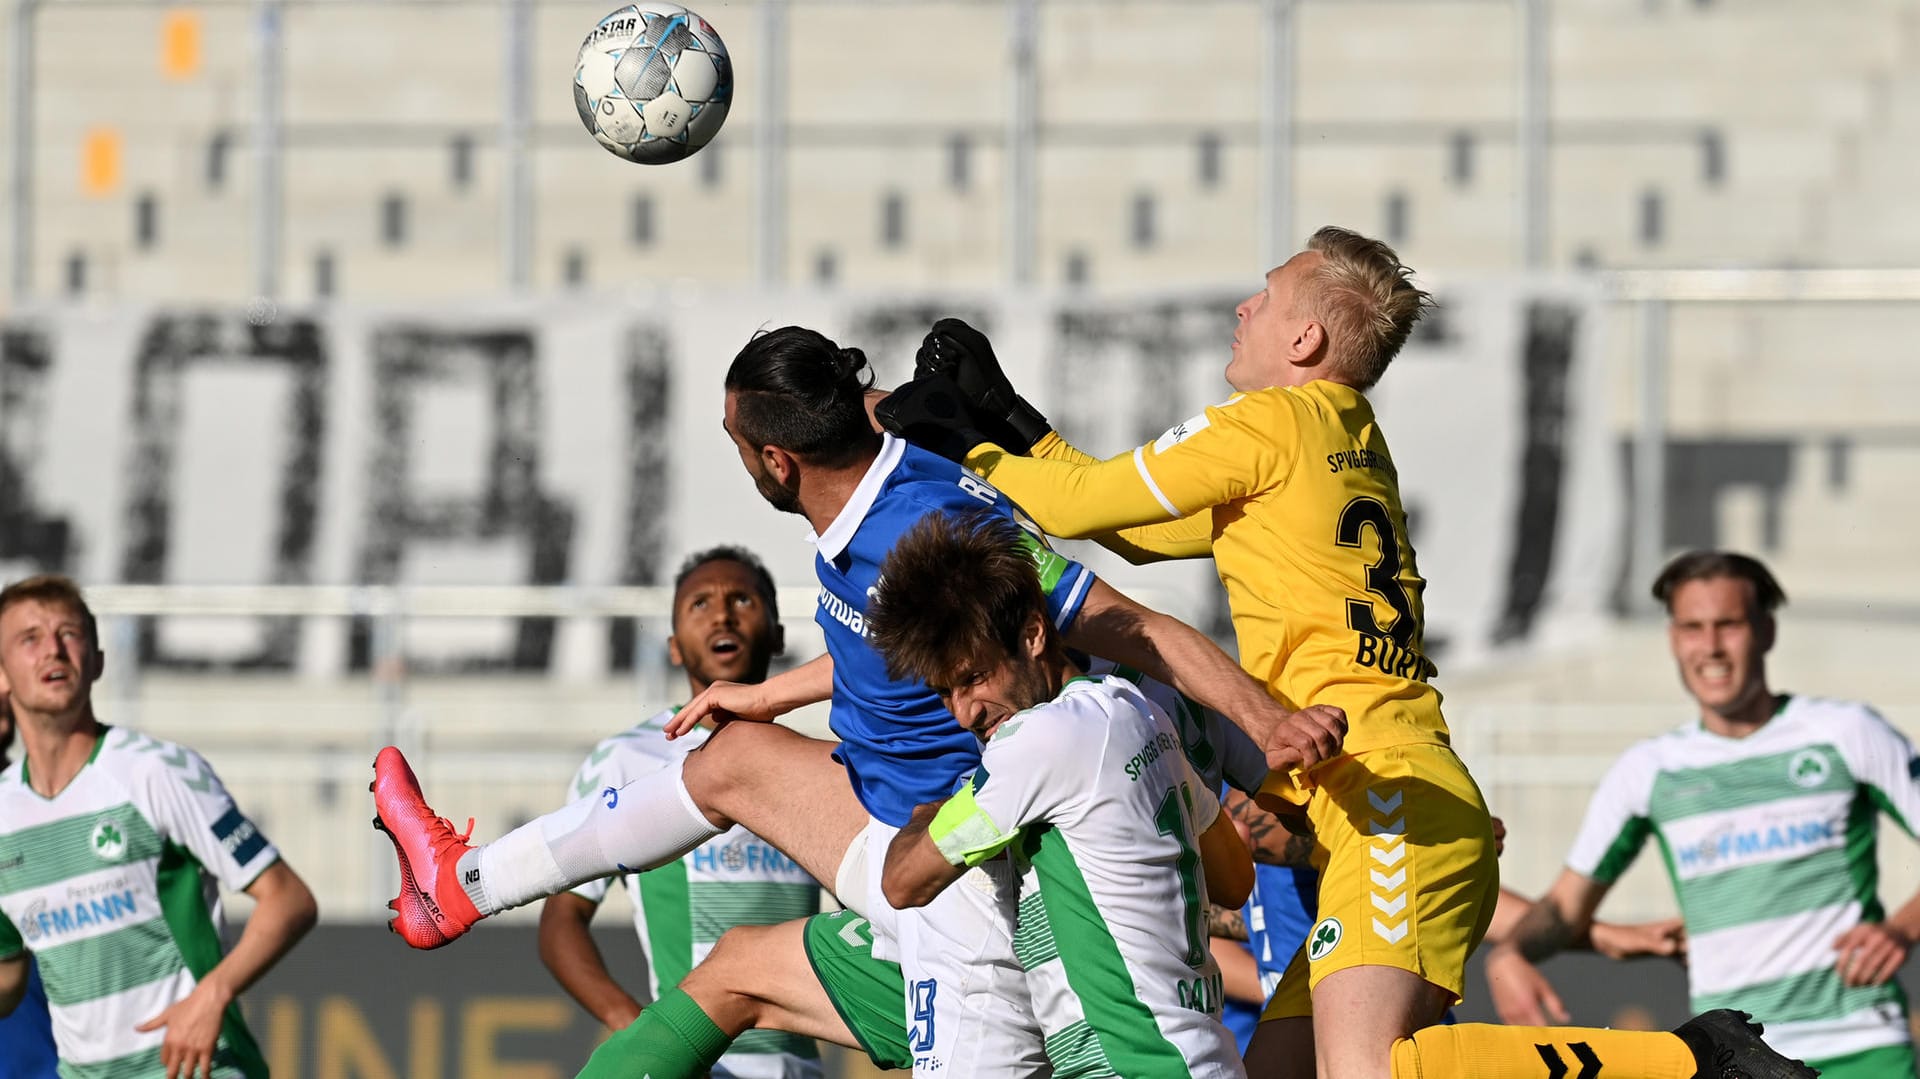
[
  {"x": 1231, "y": 888},
  {"x": 284, "y": 896},
  {"x": 13, "y": 985},
  {"x": 1134, "y": 554},
  {"x": 301, "y": 909}
]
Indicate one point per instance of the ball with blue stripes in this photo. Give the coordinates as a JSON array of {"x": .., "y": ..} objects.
[{"x": 653, "y": 82}]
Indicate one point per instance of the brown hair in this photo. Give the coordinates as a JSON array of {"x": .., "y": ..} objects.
[
  {"x": 1362, "y": 294},
  {"x": 53, "y": 590},
  {"x": 1711, "y": 565},
  {"x": 955, "y": 590}
]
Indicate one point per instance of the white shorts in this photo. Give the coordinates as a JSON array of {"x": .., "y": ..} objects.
[{"x": 968, "y": 1013}]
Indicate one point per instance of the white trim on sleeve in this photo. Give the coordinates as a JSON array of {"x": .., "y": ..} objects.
[{"x": 1140, "y": 463}]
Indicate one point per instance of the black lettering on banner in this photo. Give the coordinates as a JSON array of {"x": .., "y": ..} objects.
[
  {"x": 1118, "y": 376},
  {"x": 1546, "y": 360},
  {"x": 649, "y": 382},
  {"x": 409, "y": 361},
  {"x": 170, "y": 348},
  {"x": 28, "y": 533},
  {"x": 1128, "y": 363}
]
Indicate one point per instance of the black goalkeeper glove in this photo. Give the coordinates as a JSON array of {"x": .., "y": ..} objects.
[
  {"x": 930, "y": 413},
  {"x": 964, "y": 355}
]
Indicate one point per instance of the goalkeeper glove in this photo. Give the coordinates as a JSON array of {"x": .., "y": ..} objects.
[
  {"x": 963, "y": 354},
  {"x": 931, "y": 413}
]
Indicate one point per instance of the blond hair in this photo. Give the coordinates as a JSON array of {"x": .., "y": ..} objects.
[
  {"x": 52, "y": 590},
  {"x": 1362, "y": 295}
]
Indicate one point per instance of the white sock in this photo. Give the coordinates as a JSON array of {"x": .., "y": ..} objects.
[{"x": 649, "y": 822}]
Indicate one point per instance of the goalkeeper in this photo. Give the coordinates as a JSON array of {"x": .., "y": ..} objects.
[{"x": 1290, "y": 486}]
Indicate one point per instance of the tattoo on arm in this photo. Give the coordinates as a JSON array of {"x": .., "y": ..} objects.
[
  {"x": 1543, "y": 932},
  {"x": 1222, "y": 922},
  {"x": 1273, "y": 843}
]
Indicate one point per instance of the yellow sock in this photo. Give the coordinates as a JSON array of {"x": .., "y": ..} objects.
[{"x": 1485, "y": 1051}]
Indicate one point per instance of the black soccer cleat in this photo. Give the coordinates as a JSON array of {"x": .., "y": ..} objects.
[{"x": 1726, "y": 1045}]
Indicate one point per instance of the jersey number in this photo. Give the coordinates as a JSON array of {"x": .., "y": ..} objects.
[
  {"x": 1171, "y": 819},
  {"x": 1383, "y": 576}
]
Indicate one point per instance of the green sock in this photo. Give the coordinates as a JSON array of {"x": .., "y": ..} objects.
[{"x": 672, "y": 1039}]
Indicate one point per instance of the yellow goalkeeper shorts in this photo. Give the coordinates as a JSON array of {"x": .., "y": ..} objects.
[{"x": 1408, "y": 873}]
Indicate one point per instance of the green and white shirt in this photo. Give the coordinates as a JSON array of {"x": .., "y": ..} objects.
[
  {"x": 680, "y": 909},
  {"x": 1218, "y": 750},
  {"x": 1094, "y": 793},
  {"x": 1770, "y": 843},
  {"x": 114, "y": 885}
]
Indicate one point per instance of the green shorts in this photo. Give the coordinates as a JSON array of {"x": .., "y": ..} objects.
[
  {"x": 870, "y": 994},
  {"x": 1887, "y": 1062}
]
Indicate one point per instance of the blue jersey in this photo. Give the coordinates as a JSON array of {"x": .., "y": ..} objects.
[
  {"x": 1240, "y": 1018},
  {"x": 26, "y": 1036},
  {"x": 1279, "y": 912},
  {"x": 900, "y": 744}
]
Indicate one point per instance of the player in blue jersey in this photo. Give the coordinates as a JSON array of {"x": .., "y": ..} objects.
[{"x": 796, "y": 412}]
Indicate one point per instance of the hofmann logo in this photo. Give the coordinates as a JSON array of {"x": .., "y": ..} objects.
[
  {"x": 1731, "y": 848},
  {"x": 743, "y": 856},
  {"x": 43, "y": 923}
]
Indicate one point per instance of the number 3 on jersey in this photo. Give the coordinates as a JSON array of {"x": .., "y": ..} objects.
[{"x": 1396, "y": 649}]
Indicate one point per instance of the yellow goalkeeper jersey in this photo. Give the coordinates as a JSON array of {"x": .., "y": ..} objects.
[{"x": 1293, "y": 492}]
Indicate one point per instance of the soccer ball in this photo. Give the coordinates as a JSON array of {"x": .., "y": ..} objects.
[{"x": 653, "y": 82}]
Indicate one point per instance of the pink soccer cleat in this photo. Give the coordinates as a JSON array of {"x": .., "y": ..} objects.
[{"x": 433, "y": 908}]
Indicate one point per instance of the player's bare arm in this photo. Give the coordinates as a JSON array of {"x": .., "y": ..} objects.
[
  {"x": 1872, "y": 952},
  {"x": 1558, "y": 920},
  {"x": 284, "y": 910},
  {"x": 763, "y": 702},
  {"x": 1165, "y": 648},
  {"x": 1666, "y": 938},
  {"x": 1523, "y": 995},
  {"x": 568, "y": 950},
  {"x": 13, "y": 983},
  {"x": 1269, "y": 837},
  {"x": 916, "y": 871},
  {"x": 1226, "y": 923},
  {"x": 1226, "y": 863}
]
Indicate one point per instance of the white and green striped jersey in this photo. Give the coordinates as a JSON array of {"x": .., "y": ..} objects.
[
  {"x": 680, "y": 909},
  {"x": 114, "y": 885},
  {"x": 1770, "y": 843},
  {"x": 1218, "y": 750},
  {"x": 1104, "y": 814}
]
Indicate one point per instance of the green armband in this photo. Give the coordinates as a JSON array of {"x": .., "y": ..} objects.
[
  {"x": 1048, "y": 564},
  {"x": 964, "y": 833}
]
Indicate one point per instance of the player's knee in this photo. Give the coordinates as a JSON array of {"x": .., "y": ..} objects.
[
  {"x": 727, "y": 761},
  {"x": 712, "y": 771},
  {"x": 724, "y": 981}
]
